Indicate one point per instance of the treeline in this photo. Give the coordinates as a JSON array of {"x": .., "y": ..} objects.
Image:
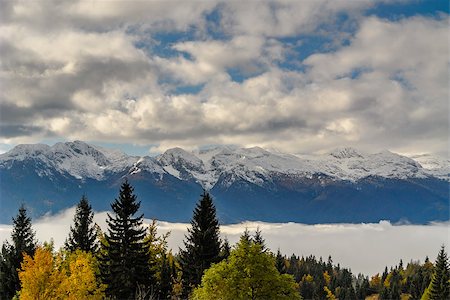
[{"x": 132, "y": 261}]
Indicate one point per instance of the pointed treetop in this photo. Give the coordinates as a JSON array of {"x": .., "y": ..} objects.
[
  {"x": 258, "y": 239},
  {"x": 22, "y": 235},
  {"x": 245, "y": 237},
  {"x": 440, "y": 284},
  {"x": 83, "y": 234},
  {"x": 225, "y": 249},
  {"x": 126, "y": 204},
  {"x": 202, "y": 243}
]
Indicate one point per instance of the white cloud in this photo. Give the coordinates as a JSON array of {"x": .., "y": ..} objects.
[
  {"x": 84, "y": 77},
  {"x": 285, "y": 18},
  {"x": 365, "y": 248}
]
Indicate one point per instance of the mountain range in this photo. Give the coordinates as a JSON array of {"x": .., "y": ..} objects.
[{"x": 346, "y": 185}]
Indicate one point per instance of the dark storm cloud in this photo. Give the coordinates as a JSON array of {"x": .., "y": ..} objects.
[{"x": 12, "y": 131}]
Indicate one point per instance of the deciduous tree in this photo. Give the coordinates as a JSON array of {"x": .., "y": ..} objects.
[
  {"x": 69, "y": 276},
  {"x": 249, "y": 273}
]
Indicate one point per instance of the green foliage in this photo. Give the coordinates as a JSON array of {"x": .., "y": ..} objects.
[
  {"x": 248, "y": 273},
  {"x": 280, "y": 263},
  {"x": 165, "y": 278},
  {"x": 416, "y": 278},
  {"x": 202, "y": 244},
  {"x": 225, "y": 249},
  {"x": 314, "y": 275},
  {"x": 160, "y": 261},
  {"x": 362, "y": 287},
  {"x": 440, "y": 284},
  {"x": 23, "y": 242},
  {"x": 124, "y": 261},
  {"x": 400, "y": 282},
  {"x": 258, "y": 239},
  {"x": 82, "y": 236}
]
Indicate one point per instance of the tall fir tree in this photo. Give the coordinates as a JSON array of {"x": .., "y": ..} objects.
[
  {"x": 166, "y": 281},
  {"x": 279, "y": 262},
  {"x": 202, "y": 244},
  {"x": 225, "y": 249},
  {"x": 23, "y": 242},
  {"x": 83, "y": 235},
  {"x": 440, "y": 285},
  {"x": 258, "y": 239},
  {"x": 124, "y": 261},
  {"x": 246, "y": 236}
]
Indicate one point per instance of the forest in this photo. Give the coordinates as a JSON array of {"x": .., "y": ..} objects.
[{"x": 130, "y": 260}]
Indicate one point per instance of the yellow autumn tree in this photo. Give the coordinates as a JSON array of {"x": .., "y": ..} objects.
[
  {"x": 66, "y": 276},
  {"x": 375, "y": 282},
  {"x": 81, "y": 280},
  {"x": 39, "y": 277},
  {"x": 330, "y": 295}
]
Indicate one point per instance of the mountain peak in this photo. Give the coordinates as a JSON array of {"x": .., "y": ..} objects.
[
  {"x": 346, "y": 152},
  {"x": 28, "y": 149},
  {"x": 82, "y": 160},
  {"x": 179, "y": 155}
]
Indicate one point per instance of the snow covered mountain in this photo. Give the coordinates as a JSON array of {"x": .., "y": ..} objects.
[{"x": 51, "y": 174}]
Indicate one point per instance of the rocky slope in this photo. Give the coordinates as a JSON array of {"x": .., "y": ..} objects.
[{"x": 52, "y": 177}]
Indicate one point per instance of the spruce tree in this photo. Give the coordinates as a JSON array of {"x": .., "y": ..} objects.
[
  {"x": 440, "y": 286},
  {"x": 258, "y": 239},
  {"x": 279, "y": 262},
  {"x": 166, "y": 283},
  {"x": 124, "y": 260},
  {"x": 23, "y": 242},
  {"x": 83, "y": 235},
  {"x": 202, "y": 244},
  {"x": 246, "y": 236},
  {"x": 225, "y": 249}
]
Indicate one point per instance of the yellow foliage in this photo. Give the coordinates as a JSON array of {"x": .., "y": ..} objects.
[
  {"x": 81, "y": 281},
  {"x": 47, "y": 277},
  {"x": 387, "y": 281},
  {"x": 39, "y": 278},
  {"x": 327, "y": 277},
  {"x": 156, "y": 246},
  {"x": 375, "y": 281},
  {"x": 308, "y": 278},
  {"x": 330, "y": 295}
]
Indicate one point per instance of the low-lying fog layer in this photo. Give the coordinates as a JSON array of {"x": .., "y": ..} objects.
[{"x": 365, "y": 248}]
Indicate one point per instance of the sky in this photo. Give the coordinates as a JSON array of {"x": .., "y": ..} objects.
[
  {"x": 364, "y": 248},
  {"x": 297, "y": 76}
]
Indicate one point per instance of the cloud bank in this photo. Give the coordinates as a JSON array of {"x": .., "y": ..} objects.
[
  {"x": 365, "y": 248},
  {"x": 299, "y": 76}
]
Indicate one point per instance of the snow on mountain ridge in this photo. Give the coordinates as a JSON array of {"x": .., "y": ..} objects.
[
  {"x": 255, "y": 165},
  {"x": 435, "y": 165},
  {"x": 77, "y": 159},
  {"x": 346, "y": 152}
]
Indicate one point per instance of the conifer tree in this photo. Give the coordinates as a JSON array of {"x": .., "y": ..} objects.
[
  {"x": 246, "y": 236},
  {"x": 166, "y": 283},
  {"x": 202, "y": 244},
  {"x": 83, "y": 235},
  {"x": 23, "y": 242},
  {"x": 258, "y": 239},
  {"x": 225, "y": 249},
  {"x": 279, "y": 262},
  {"x": 124, "y": 260},
  {"x": 440, "y": 285}
]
